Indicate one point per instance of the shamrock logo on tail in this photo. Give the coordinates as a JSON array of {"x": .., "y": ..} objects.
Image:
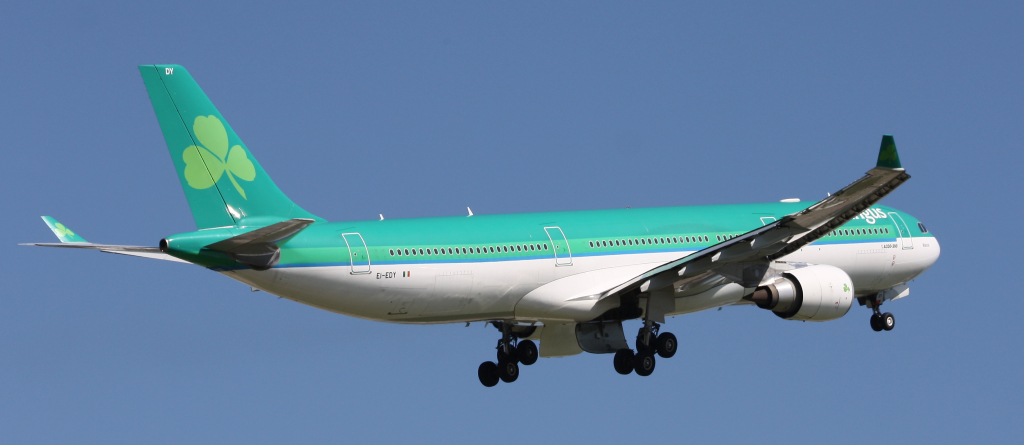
[{"x": 205, "y": 164}]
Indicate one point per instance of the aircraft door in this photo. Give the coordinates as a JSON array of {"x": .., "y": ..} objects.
[
  {"x": 358, "y": 254},
  {"x": 901, "y": 227},
  {"x": 560, "y": 246}
]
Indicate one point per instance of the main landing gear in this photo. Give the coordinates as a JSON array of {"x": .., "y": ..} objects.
[
  {"x": 511, "y": 354},
  {"x": 648, "y": 343},
  {"x": 879, "y": 321}
]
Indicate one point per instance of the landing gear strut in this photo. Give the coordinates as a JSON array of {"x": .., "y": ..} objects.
[
  {"x": 880, "y": 321},
  {"x": 511, "y": 353}
]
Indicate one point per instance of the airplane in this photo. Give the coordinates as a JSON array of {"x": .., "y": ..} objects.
[{"x": 567, "y": 280}]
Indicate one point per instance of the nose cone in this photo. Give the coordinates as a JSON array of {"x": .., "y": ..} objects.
[{"x": 932, "y": 251}]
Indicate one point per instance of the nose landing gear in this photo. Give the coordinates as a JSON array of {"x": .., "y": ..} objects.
[
  {"x": 882, "y": 322},
  {"x": 879, "y": 321},
  {"x": 511, "y": 353}
]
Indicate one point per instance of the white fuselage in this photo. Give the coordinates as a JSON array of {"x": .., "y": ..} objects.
[{"x": 539, "y": 290}]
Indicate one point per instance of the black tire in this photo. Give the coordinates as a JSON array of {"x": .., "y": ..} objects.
[
  {"x": 888, "y": 321},
  {"x": 644, "y": 363},
  {"x": 624, "y": 361},
  {"x": 527, "y": 352},
  {"x": 488, "y": 373},
  {"x": 876, "y": 322},
  {"x": 508, "y": 372},
  {"x": 667, "y": 345}
]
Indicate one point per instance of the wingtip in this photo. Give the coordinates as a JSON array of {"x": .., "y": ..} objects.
[
  {"x": 64, "y": 234},
  {"x": 888, "y": 157}
]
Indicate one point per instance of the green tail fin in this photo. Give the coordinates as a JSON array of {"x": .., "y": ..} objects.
[
  {"x": 63, "y": 233},
  {"x": 887, "y": 155},
  {"x": 223, "y": 183}
]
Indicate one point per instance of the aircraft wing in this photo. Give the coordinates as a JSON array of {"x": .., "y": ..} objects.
[
  {"x": 745, "y": 258},
  {"x": 70, "y": 240}
]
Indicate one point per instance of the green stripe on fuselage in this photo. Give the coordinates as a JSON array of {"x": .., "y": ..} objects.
[{"x": 322, "y": 244}]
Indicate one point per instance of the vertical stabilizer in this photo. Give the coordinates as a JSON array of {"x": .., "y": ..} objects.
[{"x": 223, "y": 182}]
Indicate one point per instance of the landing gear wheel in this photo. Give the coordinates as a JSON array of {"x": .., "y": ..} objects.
[
  {"x": 508, "y": 371},
  {"x": 643, "y": 363},
  {"x": 488, "y": 373},
  {"x": 876, "y": 322},
  {"x": 667, "y": 345},
  {"x": 527, "y": 352},
  {"x": 624, "y": 361},
  {"x": 888, "y": 321}
]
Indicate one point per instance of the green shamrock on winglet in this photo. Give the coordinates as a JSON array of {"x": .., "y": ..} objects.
[
  {"x": 888, "y": 153},
  {"x": 63, "y": 231},
  {"x": 204, "y": 165}
]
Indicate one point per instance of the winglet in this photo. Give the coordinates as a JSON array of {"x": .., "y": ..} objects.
[
  {"x": 63, "y": 233},
  {"x": 887, "y": 155}
]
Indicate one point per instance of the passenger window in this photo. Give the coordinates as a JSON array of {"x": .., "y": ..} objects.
[
  {"x": 591, "y": 244},
  {"x": 392, "y": 252},
  {"x": 531, "y": 247},
  {"x": 545, "y": 246}
]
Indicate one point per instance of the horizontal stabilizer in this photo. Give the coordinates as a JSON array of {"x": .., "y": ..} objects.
[{"x": 258, "y": 249}]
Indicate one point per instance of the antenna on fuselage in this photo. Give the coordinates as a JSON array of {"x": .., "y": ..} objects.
[
  {"x": 470, "y": 211},
  {"x": 382, "y": 217}
]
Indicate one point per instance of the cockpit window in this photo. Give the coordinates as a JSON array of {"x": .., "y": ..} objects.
[{"x": 921, "y": 226}]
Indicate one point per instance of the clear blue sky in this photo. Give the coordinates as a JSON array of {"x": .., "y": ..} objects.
[{"x": 423, "y": 108}]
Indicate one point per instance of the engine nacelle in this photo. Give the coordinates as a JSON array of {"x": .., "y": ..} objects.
[{"x": 813, "y": 293}]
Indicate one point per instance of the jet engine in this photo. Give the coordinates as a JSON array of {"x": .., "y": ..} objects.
[{"x": 813, "y": 293}]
